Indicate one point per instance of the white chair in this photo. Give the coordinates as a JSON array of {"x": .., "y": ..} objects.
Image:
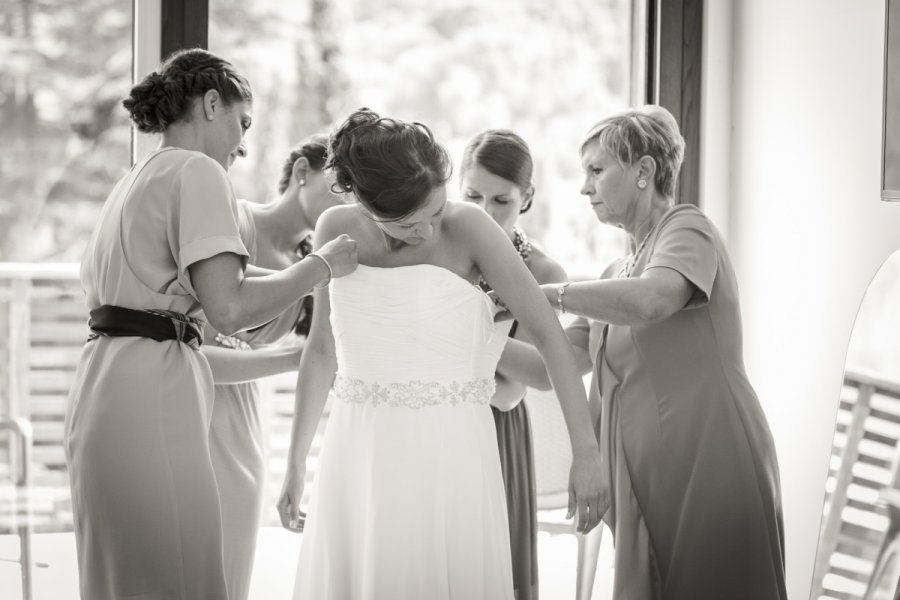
[{"x": 552, "y": 461}]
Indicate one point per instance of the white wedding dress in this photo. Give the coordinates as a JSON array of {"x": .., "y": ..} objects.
[{"x": 409, "y": 502}]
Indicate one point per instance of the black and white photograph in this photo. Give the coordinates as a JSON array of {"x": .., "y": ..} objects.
[{"x": 450, "y": 300}]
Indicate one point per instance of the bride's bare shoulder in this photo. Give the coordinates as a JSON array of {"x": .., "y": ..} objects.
[
  {"x": 465, "y": 218},
  {"x": 344, "y": 218}
]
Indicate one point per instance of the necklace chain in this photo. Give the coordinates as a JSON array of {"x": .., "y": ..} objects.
[
  {"x": 523, "y": 247},
  {"x": 631, "y": 259}
]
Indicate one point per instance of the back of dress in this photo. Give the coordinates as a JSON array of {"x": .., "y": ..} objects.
[
  {"x": 174, "y": 208},
  {"x": 418, "y": 323},
  {"x": 409, "y": 501}
]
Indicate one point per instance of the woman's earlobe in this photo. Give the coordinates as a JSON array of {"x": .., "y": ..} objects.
[
  {"x": 647, "y": 168},
  {"x": 210, "y": 98},
  {"x": 301, "y": 170},
  {"x": 529, "y": 199}
]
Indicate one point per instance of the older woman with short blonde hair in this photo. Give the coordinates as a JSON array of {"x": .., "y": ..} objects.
[{"x": 689, "y": 461}]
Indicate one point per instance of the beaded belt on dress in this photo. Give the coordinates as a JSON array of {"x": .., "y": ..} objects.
[{"x": 414, "y": 394}]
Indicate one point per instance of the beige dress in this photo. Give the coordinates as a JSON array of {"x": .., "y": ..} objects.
[
  {"x": 146, "y": 509},
  {"x": 696, "y": 501},
  {"x": 236, "y": 442}
]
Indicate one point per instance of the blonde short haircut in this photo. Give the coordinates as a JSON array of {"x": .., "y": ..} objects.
[{"x": 649, "y": 130}]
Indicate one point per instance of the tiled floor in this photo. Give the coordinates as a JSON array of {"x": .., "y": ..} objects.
[{"x": 275, "y": 564}]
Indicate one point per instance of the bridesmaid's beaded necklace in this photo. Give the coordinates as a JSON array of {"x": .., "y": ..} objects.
[
  {"x": 523, "y": 247},
  {"x": 631, "y": 259}
]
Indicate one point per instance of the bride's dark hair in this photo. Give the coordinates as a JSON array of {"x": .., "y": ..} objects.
[{"x": 391, "y": 166}]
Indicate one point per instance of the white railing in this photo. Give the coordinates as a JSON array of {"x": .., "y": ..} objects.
[{"x": 43, "y": 325}]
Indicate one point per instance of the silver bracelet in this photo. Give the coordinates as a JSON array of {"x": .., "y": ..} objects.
[
  {"x": 560, "y": 292},
  {"x": 327, "y": 266}
]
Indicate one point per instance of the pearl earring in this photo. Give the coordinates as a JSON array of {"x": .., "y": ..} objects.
[
  {"x": 302, "y": 182},
  {"x": 642, "y": 183}
]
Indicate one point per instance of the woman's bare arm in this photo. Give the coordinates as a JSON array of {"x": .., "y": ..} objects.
[
  {"x": 654, "y": 296},
  {"x": 510, "y": 278},
  {"x": 318, "y": 366},
  {"x": 233, "y": 301},
  {"x": 240, "y": 366},
  {"x": 522, "y": 362}
]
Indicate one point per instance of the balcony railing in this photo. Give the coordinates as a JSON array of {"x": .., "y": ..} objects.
[{"x": 42, "y": 328}]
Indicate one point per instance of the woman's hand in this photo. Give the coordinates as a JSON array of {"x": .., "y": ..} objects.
[
  {"x": 501, "y": 312},
  {"x": 551, "y": 293},
  {"x": 340, "y": 254},
  {"x": 588, "y": 495},
  {"x": 288, "y": 505}
]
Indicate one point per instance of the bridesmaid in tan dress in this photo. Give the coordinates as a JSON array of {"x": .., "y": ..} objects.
[
  {"x": 274, "y": 235},
  {"x": 166, "y": 245},
  {"x": 690, "y": 465}
]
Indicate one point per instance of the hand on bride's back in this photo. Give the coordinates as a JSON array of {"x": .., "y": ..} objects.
[{"x": 340, "y": 254}]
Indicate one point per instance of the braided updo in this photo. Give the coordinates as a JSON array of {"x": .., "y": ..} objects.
[
  {"x": 391, "y": 166},
  {"x": 164, "y": 97}
]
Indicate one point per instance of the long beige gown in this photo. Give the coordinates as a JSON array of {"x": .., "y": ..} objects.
[
  {"x": 696, "y": 499},
  {"x": 236, "y": 442},
  {"x": 146, "y": 509}
]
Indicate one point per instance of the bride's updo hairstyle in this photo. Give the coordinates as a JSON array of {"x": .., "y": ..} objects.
[
  {"x": 164, "y": 97},
  {"x": 389, "y": 165}
]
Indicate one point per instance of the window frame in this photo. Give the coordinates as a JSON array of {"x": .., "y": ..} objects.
[{"x": 670, "y": 49}]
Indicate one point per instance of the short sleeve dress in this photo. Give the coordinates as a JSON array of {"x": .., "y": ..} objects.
[
  {"x": 146, "y": 509},
  {"x": 696, "y": 503}
]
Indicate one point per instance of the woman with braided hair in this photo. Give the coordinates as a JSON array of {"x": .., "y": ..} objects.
[{"x": 167, "y": 246}]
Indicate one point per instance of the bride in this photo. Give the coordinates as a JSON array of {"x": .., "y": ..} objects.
[{"x": 409, "y": 501}]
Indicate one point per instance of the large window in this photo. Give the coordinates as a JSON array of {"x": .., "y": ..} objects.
[
  {"x": 66, "y": 66},
  {"x": 460, "y": 66},
  {"x": 545, "y": 70}
]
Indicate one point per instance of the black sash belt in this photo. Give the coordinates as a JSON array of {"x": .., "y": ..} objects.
[{"x": 159, "y": 325}]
